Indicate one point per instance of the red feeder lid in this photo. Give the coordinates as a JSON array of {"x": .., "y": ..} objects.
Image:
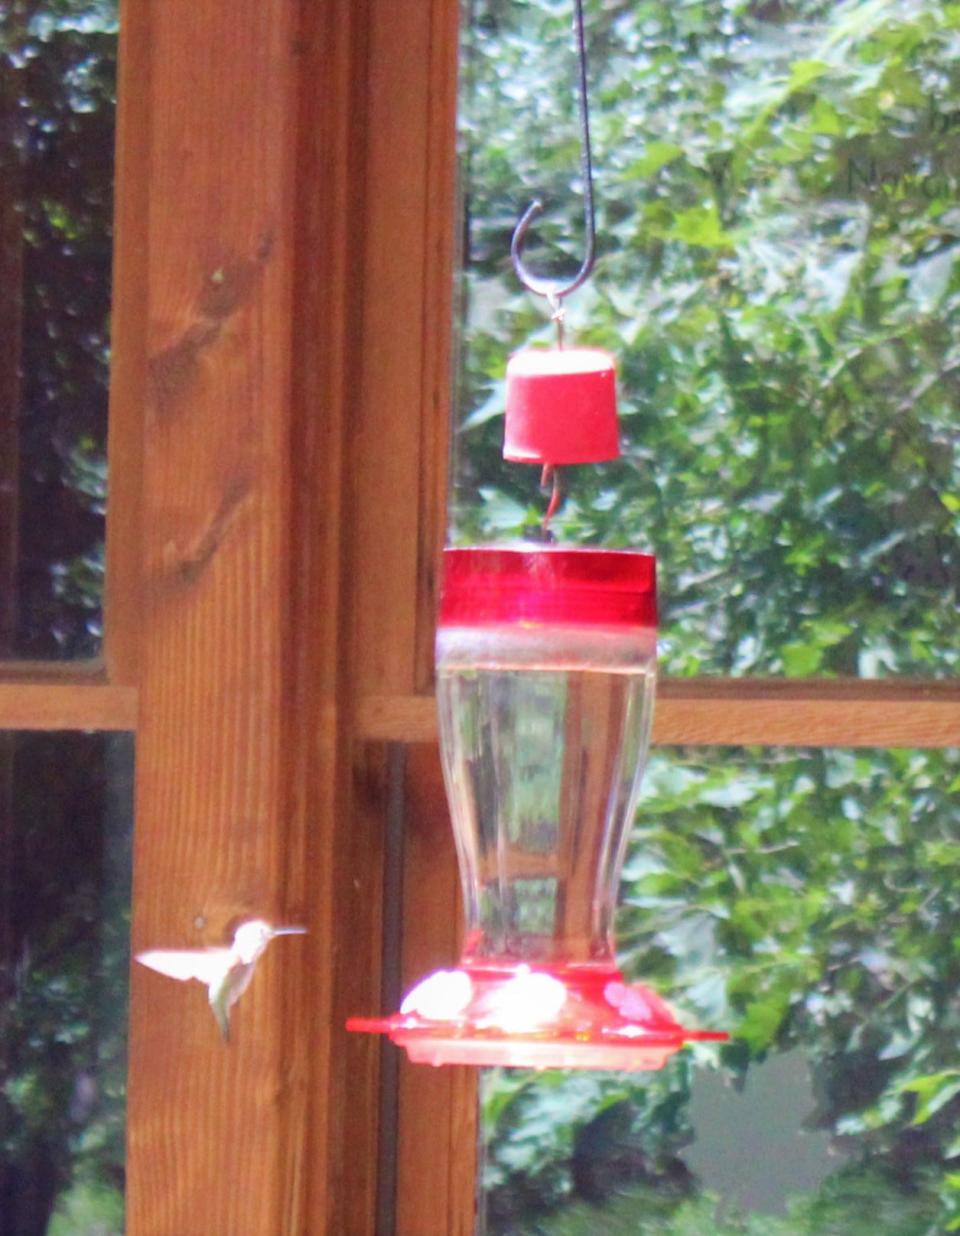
[
  {"x": 561, "y": 407},
  {"x": 547, "y": 584}
]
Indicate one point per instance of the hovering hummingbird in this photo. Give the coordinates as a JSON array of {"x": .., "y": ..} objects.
[{"x": 226, "y": 972}]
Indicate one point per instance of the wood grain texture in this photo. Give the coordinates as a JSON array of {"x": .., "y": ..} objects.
[
  {"x": 210, "y": 1127},
  {"x": 67, "y": 705},
  {"x": 338, "y": 785},
  {"x": 437, "y": 1127},
  {"x": 863, "y": 718},
  {"x": 376, "y": 149},
  {"x": 745, "y": 712},
  {"x": 402, "y": 390},
  {"x": 440, "y": 226}
]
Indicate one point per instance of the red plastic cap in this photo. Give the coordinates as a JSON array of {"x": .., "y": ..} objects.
[
  {"x": 561, "y": 407},
  {"x": 611, "y": 587}
]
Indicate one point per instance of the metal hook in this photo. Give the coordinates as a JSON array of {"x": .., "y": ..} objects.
[{"x": 556, "y": 289}]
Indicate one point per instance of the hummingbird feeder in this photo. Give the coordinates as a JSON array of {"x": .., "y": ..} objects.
[{"x": 546, "y": 666}]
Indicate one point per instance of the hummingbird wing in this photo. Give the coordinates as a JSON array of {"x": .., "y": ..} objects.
[{"x": 203, "y": 964}]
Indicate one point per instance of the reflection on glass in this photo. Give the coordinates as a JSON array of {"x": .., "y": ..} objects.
[
  {"x": 57, "y": 123},
  {"x": 65, "y": 867},
  {"x": 809, "y": 903},
  {"x": 779, "y": 278}
]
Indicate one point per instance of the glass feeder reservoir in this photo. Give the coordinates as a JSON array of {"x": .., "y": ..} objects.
[{"x": 546, "y": 663}]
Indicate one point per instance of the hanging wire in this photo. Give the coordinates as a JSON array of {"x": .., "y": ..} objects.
[
  {"x": 556, "y": 289},
  {"x": 550, "y": 482}
]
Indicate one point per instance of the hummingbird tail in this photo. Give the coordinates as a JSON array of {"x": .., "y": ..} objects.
[{"x": 221, "y": 1012}]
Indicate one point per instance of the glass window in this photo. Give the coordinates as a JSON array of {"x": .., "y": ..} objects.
[
  {"x": 808, "y": 902},
  {"x": 57, "y": 124},
  {"x": 778, "y": 237},
  {"x": 66, "y": 802}
]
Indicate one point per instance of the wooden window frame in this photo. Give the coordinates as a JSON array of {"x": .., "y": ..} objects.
[{"x": 278, "y": 448}]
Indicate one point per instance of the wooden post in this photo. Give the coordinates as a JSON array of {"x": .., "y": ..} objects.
[
  {"x": 212, "y": 1127},
  {"x": 286, "y": 400}
]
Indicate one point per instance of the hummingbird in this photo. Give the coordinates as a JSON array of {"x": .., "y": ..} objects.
[{"x": 226, "y": 972}]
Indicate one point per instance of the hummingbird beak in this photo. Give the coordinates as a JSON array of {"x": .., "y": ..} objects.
[{"x": 289, "y": 931}]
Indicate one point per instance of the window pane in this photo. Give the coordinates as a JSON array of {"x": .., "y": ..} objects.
[
  {"x": 65, "y": 870},
  {"x": 778, "y": 276},
  {"x": 807, "y": 902},
  {"x": 57, "y": 123}
]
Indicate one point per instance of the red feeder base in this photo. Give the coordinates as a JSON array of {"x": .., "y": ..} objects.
[{"x": 562, "y": 1017}]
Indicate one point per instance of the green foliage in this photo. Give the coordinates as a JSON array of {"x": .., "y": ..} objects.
[
  {"x": 88, "y": 1210},
  {"x": 778, "y": 278},
  {"x": 853, "y": 1206},
  {"x": 805, "y": 902}
]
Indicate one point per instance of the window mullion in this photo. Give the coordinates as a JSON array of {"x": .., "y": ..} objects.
[{"x": 752, "y": 712}]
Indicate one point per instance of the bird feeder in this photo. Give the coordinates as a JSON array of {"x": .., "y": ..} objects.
[{"x": 546, "y": 663}]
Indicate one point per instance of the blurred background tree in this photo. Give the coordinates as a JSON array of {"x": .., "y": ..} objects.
[
  {"x": 63, "y": 1015},
  {"x": 778, "y": 226},
  {"x": 57, "y": 128}
]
